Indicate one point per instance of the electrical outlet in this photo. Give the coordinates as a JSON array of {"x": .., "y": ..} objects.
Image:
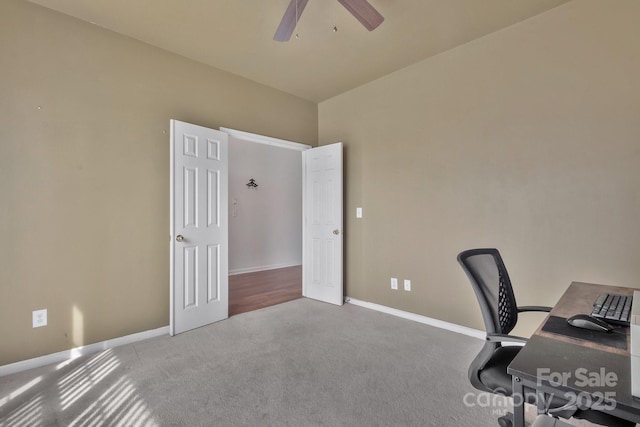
[
  {"x": 407, "y": 285},
  {"x": 39, "y": 318},
  {"x": 394, "y": 283}
]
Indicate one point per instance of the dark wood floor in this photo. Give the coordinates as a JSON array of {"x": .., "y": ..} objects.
[{"x": 251, "y": 291}]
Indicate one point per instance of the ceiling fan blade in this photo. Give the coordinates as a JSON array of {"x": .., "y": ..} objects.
[
  {"x": 289, "y": 20},
  {"x": 363, "y": 12}
]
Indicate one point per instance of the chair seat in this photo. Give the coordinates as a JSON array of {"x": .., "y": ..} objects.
[{"x": 494, "y": 374}]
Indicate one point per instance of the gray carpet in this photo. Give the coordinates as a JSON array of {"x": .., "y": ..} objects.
[{"x": 301, "y": 363}]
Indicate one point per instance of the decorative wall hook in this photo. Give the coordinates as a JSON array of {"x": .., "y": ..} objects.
[{"x": 252, "y": 184}]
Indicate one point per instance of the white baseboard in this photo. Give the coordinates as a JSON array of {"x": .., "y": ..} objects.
[
  {"x": 261, "y": 268},
  {"x": 476, "y": 333},
  {"x": 68, "y": 355}
]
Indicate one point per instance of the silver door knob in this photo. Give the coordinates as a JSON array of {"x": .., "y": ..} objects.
[
  {"x": 179, "y": 238},
  {"x": 336, "y": 232}
]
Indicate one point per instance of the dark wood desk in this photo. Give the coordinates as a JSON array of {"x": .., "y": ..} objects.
[{"x": 582, "y": 370}]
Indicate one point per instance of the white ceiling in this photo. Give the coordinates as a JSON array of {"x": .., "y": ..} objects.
[{"x": 236, "y": 35}]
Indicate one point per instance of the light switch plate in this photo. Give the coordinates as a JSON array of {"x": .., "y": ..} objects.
[{"x": 358, "y": 212}]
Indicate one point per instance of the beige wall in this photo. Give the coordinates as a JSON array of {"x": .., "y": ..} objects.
[
  {"x": 84, "y": 172},
  {"x": 527, "y": 140}
]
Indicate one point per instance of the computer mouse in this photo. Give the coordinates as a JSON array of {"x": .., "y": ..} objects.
[{"x": 584, "y": 321}]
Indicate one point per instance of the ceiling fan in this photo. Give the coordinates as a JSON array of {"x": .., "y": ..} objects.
[{"x": 360, "y": 9}]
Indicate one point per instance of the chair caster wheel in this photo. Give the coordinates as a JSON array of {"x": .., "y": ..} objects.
[{"x": 505, "y": 421}]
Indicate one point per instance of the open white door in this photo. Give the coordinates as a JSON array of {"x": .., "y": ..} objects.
[
  {"x": 198, "y": 226},
  {"x": 322, "y": 222}
]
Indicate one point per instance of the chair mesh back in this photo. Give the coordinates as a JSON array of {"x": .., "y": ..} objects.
[{"x": 492, "y": 286}]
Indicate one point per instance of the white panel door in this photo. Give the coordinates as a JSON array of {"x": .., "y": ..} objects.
[
  {"x": 322, "y": 222},
  {"x": 198, "y": 226}
]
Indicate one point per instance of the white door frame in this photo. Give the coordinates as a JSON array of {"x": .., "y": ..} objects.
[
  {"x": 260, "y": 139},
  {"x": 309, "y": 289}
]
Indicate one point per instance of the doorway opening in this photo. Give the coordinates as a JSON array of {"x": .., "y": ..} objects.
[{"x": 265, "y": 221}]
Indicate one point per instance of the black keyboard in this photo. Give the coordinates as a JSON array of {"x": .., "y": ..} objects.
[{"x": 613, "y": 308}]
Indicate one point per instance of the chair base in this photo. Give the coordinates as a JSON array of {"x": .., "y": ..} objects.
[
  {"x": 546, "y": 421},
  {"x": 542, "y": 421}
]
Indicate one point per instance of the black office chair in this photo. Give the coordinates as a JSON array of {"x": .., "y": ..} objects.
[{"x": 488, "y": 371}]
